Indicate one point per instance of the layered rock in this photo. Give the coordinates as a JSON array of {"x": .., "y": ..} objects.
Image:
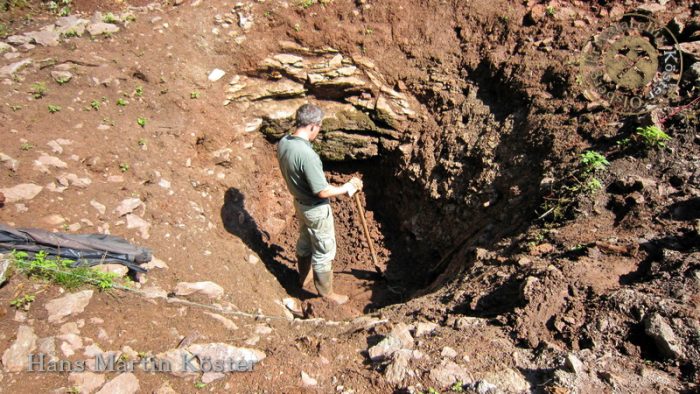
[{"x": 363, "y": 114}]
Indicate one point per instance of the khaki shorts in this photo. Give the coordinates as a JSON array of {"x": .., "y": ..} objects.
[{"x": 316, "y": 235}]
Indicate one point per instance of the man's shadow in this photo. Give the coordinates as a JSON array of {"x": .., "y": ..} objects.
[{"x": 238, "y": 221}]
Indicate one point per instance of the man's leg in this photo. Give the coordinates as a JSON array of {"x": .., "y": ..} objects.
[
  {"x": 322, "y": 234},
  {"x": 303, "y": 251}
]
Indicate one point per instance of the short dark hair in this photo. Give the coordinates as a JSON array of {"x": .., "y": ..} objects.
[{"x": 308, "y": 114}]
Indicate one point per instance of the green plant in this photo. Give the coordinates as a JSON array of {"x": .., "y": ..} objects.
[
  {"x": 4, "y": 32},
  {"x": 15, "y": 107},
  {"x": 61, "y": 271},
  {"x": 124, "y": 167},
  {"x": 653, "y": 136},
  {"x": 109, "y": 18},
  {"x": 108, "y": 121},
  {"x": 121, "y": 102},
  {"x": 142, "y": 142},
  {"x": 297, "y": 27},
  {"x": 199, "y": 385},
  {"x": 54, "y": 108},
  {"x": 458, "y": 387},
  {"x": 550, "y": 10},
  {"x": 306, "y": 3},
  {"x": 130, "y": 18},
  {"x": 39, "y": 90},
  {"x": 368, "y": 31},
  {"x": 141, "y": 122},
  {"x": 74, "y": 390},
  {"x": 23, "y": 302},
  {"x": 194, "y": 95},
  {"x": 623, "y": 143},
  {"x": 95, "y": 105},
  {"x": 138, "y": 92},
  {"x": 592, "y": 161},
  {"x": 64, "y": 11},
  {"x": 25, "y": 146},
  {"x": 62, "y": 80}
]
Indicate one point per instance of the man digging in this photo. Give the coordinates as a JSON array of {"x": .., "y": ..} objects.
[{"x": 303, "y": 172}]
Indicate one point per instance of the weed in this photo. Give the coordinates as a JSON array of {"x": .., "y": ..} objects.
[
  {"x": 15, "y": 107},
  {"x": 95, "y": 105},
  {"x": 4, "y": 32},
  {"x": 306, "y": 3},
  {"x": 130, "y": 18},
  {"x": 653, "y": 137},
  {"x": 623, "y": 143},
  {"x": 62, "y": 80},
  {"x": 199, "y": 385},
  {"x": 368, "y": 31},
  {"x": 458, "y": 387},
  {"x": 122, "y": 103},
  {"x": 64, "y": 11},
  {"x": 107, "y": 34},
  {"x": 39, "y": 90},
  {"x": 142, "y": 142},
  {"x": 550, "y": 10},
  {"x": 23, "y": 302},
  {"x": 141, "y": 122},
  {"x": 297, "y": 27},
  {"x": 194, "y": 95},
  {"x": 74, "y": 390},
  {"x": 592, "y": 161},
  {"x": 138, "y": 92},
  {"x": 25, "y": 146},
  {"x": 109, "y": 18},
  {"x": 54, "y": 108},
  {"x": 61, "y": 271},
  {"x": 108, "y": 121},
  {"x": 124, "y": 167}
]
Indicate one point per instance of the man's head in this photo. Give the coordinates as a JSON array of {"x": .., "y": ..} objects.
[{"x": 308, "y": 121}]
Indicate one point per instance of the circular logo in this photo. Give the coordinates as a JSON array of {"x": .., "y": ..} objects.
[{"x": 632, "y": 67}]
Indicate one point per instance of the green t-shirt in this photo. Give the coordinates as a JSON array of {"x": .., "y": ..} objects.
[{"x": 302, "y": 169}]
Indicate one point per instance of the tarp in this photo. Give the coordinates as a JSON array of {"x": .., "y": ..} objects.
[{"x": 84, "y": 249}]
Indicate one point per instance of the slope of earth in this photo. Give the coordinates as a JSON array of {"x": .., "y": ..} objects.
[{"x": 125, "y": 129}]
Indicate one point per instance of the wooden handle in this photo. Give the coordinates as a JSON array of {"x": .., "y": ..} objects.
[{"x": 366, "y": 232}]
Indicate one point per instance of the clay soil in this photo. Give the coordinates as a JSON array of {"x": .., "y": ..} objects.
[{"x": 455, "y": 213}]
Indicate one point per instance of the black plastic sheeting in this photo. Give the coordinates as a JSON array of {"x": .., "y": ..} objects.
[{"x": 84, "y": 249}]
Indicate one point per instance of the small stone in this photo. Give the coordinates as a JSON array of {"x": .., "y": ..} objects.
[
  {"x": 45, "y": 161},
  {"x": 5, "y": 48},
  {"x": 86, "y": 381},
  {"x": 448, "y": 352},
  {"x": 100, "y": 28},
  {"x": 125, "y": 383},
  {"x": 223, "y": 351},
  {"x": 9, "y": 163},
  {"x": 99, "y": 207},
  {"x": 165, "y": 389},
  {"x": 47, "y": 347},
  {"x": 252, "y": 259},
  {"x": 657, "y": 328},
  {"x": 54, "y": 219},
  {"x": 16, "y": 357},
  {"x": 45, "y": 38},
  {"x": 385, "y": 348},
  {"x": 21, "y": 192},
  {"x": 4, "y": 265},
  {"x": 448, "y": 373},
  {"x": 425, "y": 328},
  {"x": 397, "y": 370},
  {"x": 307, "y": 380},
  {"x": 135, "y": 222},
  {"x": 70, "y": 304},
  {"x": 176, "y": 358},
  {"x": 573, "y": 364},
  {"x": 216, "y": 74},
  {"x": 209, "y": 289},
  {"x": 115, "y": 179},
  {"x": 154, "y": 292},
  {"x": 263, "y": 329},
  {"x": 12, "y": 69},
  {"x": 230, "y": 325},
  {"x": 127, "y": 206},
  {"x": 61, "y": 77}
]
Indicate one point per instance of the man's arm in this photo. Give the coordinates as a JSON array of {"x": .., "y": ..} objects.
[{"x": 349, "y": 188}]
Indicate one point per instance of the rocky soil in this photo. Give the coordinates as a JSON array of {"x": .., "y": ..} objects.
[{"x": 156, "y": 122}]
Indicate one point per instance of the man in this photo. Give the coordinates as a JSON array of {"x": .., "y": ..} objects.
[{"x": 303, "y": 172}]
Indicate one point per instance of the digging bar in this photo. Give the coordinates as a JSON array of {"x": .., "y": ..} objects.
[{"x": 365, "y": 230}]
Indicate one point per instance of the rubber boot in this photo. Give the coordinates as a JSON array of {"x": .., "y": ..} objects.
[
  {"x": 304, "y": 268},
  {"x": 324, "y": 285}
]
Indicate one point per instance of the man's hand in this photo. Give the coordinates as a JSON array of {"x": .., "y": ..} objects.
[{"x": 349, "y": 188}]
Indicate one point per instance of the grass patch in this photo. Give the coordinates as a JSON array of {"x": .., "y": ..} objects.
[
  {"x": 61, "y": 271},
  {"x": 39, "y": 90},
  {"x": 653, "y": 137}
]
